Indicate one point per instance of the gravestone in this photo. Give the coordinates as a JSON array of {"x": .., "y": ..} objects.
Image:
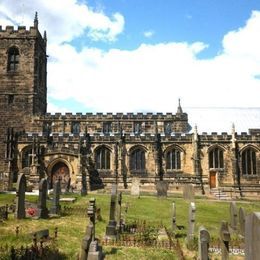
[
  {"x": 55, "y": 209},
  {"x": 119, "y": 218},
  {"x": 224, "y": 240},
  {"x": 135, "y": 188},
  {"x": 20, "y": 196},
  {"x": 188, "y": 192},
  {"x": 191, "y": 226},
  {"x": 111, "y": 227},
  {"x": 233, "y": 215},
  {"x": 242, "y": 221},
  {"x": 174, "y": 226},
  {"x": 162, "y": 188},
  {"x": 252, "y": 236},
  {"x": 203, "y": 243},
  {"x": 86, "y": 243},
  {"x": 42, "y": 208}
]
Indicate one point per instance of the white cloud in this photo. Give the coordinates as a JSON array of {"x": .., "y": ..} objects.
[
  {"x": 148, "y": 34},
  {"x": 64, "y": 20},
  {"x": 151, "y": 77}
]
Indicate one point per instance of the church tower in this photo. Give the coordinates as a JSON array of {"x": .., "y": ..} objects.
[{"x": 23, "y": 88}]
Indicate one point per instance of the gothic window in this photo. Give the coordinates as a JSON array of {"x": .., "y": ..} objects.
[
  {"x": 75, "y": 127},
  {"x": 103, "y": 158},
  {"x": 173, "y": 160},
  {"x": 216, "y": 159},
  {"x": 13, "y": 59},
  {"x": 249, "y": 162},
  {"x": 46, "y": 128},
  {"x": 27, "y": 158},
  {"x": 167, "y": 128},
  {"x": 137, "y": 127},
  {"x": 137, "y": 160},
  {"x": 106, "y": 127}
]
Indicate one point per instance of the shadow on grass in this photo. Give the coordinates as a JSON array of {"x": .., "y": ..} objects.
[{"x": 112, "y": 251}]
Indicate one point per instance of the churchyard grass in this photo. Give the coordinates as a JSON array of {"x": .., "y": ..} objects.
[{"x": 71, "y": 228}]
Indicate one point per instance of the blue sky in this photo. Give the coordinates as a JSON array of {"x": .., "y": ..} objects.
[{"x": 142, "y": 55}]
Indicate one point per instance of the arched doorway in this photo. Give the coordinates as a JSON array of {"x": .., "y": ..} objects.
[{"x": 60, "y": 170}]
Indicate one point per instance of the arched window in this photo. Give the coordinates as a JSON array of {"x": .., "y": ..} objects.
[
  {"x": 216, "y": 159},
  {"x": 137, "y": 160},
  {"x": 103, "y": 158},
  {"x": 27, "y": 158},
  {"x": 249, "y": 162},
  {"x": 173, "y": 160},
  {"x": 13, "y": 59}
]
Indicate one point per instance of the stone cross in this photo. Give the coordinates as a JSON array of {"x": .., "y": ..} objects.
[
  {"x": 233, "y": 215},
  {"x": 43, "y": 191},
  {"x": 174, "y": 226},
  {"x": 252, "y": 236},
  {"x": 203, "y": 243},
  {"x": 242, "y": 220},
  {"x": 111, "y": 227},
  {"x": 55, "y": 209},
  {"x": 20, "y": 196},
  {"x": 224, "y": 240},
  {"x": 191, "y": 225}
]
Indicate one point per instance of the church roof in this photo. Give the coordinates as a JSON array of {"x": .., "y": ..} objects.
[{"x": 219, "y": 120}]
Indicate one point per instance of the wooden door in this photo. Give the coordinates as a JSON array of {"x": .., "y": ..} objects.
[
  {"x": 60, "y": 171},
  {"x": 212, "y": 180}
]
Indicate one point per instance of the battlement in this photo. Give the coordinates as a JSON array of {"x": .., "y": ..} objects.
[
  {"x": 116, "y": 116},
  {"x": 21, "y": 31}
]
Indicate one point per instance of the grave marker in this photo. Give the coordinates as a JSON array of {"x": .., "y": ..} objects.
[
  {"x": 174, "y": 226},
  {"x": 20, "y": 197},
  {"x": 252, "y": 236},
  {"x": 203, "y": 243},
  {"x": 188, "y": 192},
  {"x": 233, "y": 215},
  {"x": 135, "y": 188},
  {"x": 242, "y": 221},
  {"x": 42, "y": 208},
  {"x": 224, "y": 240},
  {"x": 55, "y": 209},
  {"x": 191, "y": 225},
  {"x": 162, "y": 188}
]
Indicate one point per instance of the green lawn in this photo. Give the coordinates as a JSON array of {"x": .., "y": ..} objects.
[{"x": 71, "y": 228}]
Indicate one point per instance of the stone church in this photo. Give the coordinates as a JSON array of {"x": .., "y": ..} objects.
[{"x": 91, "y": 151}]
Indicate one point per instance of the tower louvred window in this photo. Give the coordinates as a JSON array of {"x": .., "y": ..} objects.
[{"x": 13, "y": 59}]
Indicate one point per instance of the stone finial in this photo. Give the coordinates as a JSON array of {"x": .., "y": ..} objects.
[
  {"x": 36, "y": 20},
  {"x": 45, "y": 36},
  {"x": 179, "y": 109},
  {"x": 233, "y": 139},
  {"x": 195, "y": 134}
]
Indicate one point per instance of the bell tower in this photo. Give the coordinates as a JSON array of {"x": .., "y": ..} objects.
[{"x": 23, "y": 90}]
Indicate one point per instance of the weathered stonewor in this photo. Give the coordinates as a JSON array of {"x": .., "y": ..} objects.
[
  {"x": 242, "y": 221},
  {"x": 42, "y": 208},
  {"x": 191, "y": 226},
  {"x": 135, "y": 188},
  {"x": 203, "y": 243},
  {"x": 119, "y": 210},
  {"x": 86, "y": 243},
  {"x": 174, "y": 225},
  {"x": 252, "y": 236},
  {"x": 20, "y": 196},
  {"x": 162, "y": 188},
  {"x": 188, "y": 192},
  {"x": 233, "y": 215},
  {"x": 224, "y": 240},
  {"x": 55, "y": 209},
  {"x": 111, "y": 227}
]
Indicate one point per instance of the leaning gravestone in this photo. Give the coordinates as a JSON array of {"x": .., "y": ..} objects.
[
  {"x": 135, "y": 188},
  {"x": 55, "y": 209},
  {"x": 188, "y": 192},
  {"x": 191, "y": 226},
  {"x": 252, "y": 236},
  {"x": 203, "y": 243},
  {"x": 242, "y": 220},
  {"x": 111, "y": 227},
  {"x": 233, "y": 215},
  {"x": 162, "y": 188},
  {"x": 42, "y": 208},
  {"x": 174, "y": 226},
  {"x": 20, "y": 196},
  {"x": 224, "y": 240}
]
